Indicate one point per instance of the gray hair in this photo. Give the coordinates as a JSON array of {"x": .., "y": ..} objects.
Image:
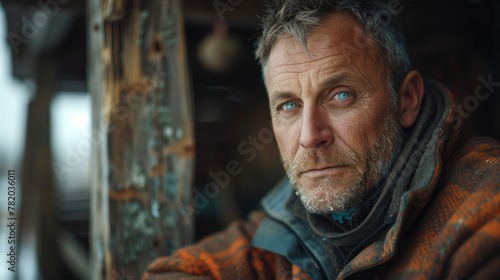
[{"x": 299, "y": 18}]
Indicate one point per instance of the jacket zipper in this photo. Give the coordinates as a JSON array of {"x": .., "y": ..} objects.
[
  {"x": 303, "y": 245},
  {"x": 310, "y": 255},
  {"x": 370, "y": 239}
]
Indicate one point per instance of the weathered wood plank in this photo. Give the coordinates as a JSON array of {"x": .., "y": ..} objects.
[
  {"x": 113, "y": 10},
  {"x": 143, "y": 168}
]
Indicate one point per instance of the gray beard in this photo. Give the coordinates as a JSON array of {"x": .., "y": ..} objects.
[{"x": 323, "y": 198}]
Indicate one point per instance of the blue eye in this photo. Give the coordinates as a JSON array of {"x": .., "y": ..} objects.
[
  {"x": 343, "y": 95},
  {"x": 290, "y": 105}
]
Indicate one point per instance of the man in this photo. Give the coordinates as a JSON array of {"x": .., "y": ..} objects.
[{"x": 380, "y": 183}]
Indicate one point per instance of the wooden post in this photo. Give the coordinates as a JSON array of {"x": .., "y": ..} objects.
[
  {"x": 143, "y": 135},
  {"x": 39, "y": 215}
]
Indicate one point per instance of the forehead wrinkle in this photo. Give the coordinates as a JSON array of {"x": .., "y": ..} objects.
[
  {"x": 327, "y": 72},
  {"x": 319, "y": 47},
  {"x": 289, "y": 85},
  {"x": 303, "y": 57},
  {"x": 290, "y": 81},
  {"x": 323, "y": 71},
  {"x": 298, "y": 67}
]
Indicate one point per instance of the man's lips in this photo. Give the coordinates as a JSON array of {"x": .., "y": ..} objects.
[{"x": 322, "y": 171}]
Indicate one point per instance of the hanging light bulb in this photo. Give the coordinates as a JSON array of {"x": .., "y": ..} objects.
[{"x": 218, "y": 52}]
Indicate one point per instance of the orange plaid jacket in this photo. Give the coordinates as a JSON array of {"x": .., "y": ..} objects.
[{"x": 443, "y": 224}]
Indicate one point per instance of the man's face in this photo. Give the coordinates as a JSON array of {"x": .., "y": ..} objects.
[{"x": 332, "y": 114}]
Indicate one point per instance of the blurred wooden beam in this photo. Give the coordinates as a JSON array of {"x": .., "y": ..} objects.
[{"x": 40, "y": 199}]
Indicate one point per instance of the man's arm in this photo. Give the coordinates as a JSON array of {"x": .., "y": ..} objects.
[{"x": 224, "y": 255}]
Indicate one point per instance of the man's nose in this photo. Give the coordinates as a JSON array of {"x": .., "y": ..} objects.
[{"x": 316, "y": 130}]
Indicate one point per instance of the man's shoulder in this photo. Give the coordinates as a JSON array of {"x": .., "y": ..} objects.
[
  {"x": 470, "y": 174},
  {"x": 468, "y": 190},
  {"x": 478, "y": 146},
  {"x": 469, "y": 187},
  {"x": 475, "y": 165},
  {"x": 458, "y": 232}
]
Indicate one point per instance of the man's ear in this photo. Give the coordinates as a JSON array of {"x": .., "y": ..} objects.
[{"x": 410, "y": 93}]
